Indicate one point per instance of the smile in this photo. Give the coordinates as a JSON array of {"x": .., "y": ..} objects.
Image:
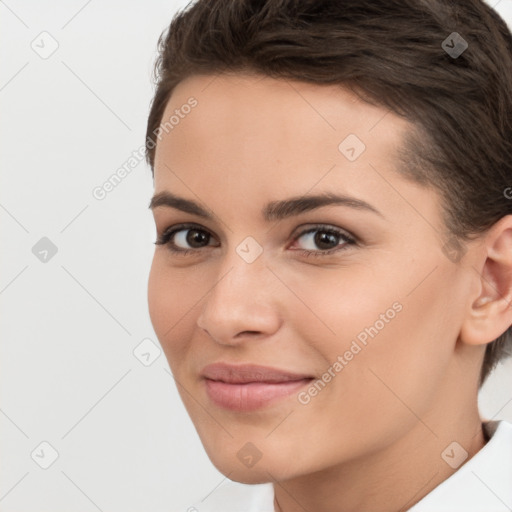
[{"x": 249, "y": 387}]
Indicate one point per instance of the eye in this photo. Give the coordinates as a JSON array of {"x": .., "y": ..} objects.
[
  {"x": 177, "y": 238},
  {"x": 327, "y": 238},
  {"x": 186, "y": 239}
]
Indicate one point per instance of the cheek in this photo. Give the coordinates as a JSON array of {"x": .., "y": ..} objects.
[
  {"x": 169, "y": 302},
  {"x": 407, "y": 351},
  {"x": 159, "y": 302},
  {"x": 336, "y": 305},
  {"x": 392, "y": 335}
]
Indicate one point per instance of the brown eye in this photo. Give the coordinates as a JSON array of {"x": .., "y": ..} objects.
[
  {"x": 193, "y": 237},
  {"x": 324, "y": 240},
  {"x": 184, "y": 238}
]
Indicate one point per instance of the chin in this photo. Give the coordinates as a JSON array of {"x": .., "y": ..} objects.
[
  {"x": 266, "y": 469},
  {"x": 250, "y": 478}
]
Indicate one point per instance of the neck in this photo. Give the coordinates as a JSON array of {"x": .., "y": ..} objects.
[{"x": 395, "y": 478}]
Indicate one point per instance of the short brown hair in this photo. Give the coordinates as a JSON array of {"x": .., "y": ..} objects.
[{"x": 391, "y": 53}]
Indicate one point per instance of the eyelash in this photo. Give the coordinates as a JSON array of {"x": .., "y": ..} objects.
[{"x": 165, "y": 239}]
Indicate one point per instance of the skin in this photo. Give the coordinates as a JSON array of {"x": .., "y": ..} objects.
[{"x": 372, "y": 438}]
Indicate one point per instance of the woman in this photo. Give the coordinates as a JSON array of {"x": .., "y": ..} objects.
[{"x": 332, "y": 279}]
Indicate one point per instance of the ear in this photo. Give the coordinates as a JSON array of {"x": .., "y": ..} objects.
[{"x": 490, "y": 313}]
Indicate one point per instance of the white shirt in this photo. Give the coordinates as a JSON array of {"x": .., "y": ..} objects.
[{"x": 482, "y": 484}]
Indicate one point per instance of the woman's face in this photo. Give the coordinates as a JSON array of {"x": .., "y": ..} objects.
[{"x": 373, "y": 323}]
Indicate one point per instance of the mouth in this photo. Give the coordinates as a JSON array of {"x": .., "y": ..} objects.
[{"x": 249, "y": 387}]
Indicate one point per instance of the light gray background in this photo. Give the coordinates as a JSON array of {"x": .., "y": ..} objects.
[{"x": 69, "y": 376}]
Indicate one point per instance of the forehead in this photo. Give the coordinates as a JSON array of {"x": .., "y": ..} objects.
[
  {"x": 265, "y": 137},
  {"x": 256, "y": 110},
  {"x": 255, "y": 116}
]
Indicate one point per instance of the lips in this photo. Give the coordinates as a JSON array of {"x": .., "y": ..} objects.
[
  {"x": 249, "y": 387},
  {"x": 243, "y": 374}
]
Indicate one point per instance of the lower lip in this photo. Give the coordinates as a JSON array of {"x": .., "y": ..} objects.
[{"x": 250, "y": 396}]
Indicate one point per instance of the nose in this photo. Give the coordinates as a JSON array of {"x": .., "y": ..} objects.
[{"x": 242, "y": 303}]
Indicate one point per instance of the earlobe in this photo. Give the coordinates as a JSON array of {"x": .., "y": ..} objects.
[{"x": 490, "y": 313}]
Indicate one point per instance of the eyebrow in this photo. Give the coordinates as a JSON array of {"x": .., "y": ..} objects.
[{"x": 275, "y": 210}]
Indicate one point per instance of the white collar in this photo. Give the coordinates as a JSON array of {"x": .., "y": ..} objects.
[{"x": 482, "y": 484}]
